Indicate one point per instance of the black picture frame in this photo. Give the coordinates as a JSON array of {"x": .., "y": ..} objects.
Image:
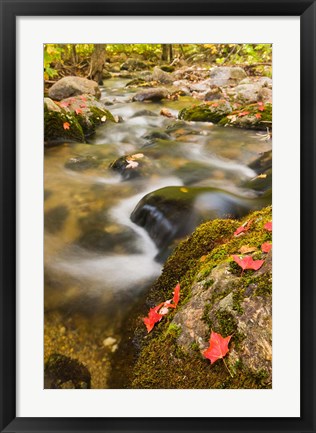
[{"x": 306, "y": 10}]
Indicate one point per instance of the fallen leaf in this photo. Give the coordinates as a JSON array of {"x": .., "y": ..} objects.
[
  {"x": 245, "y": 249},
  {"x": 66, "y": 125},
  {"x": 184, "y": 190},
  {"x": 131, "y": 163},
  {"x": 153, "y": 317},
  {"x": 260, "y": 106},
  {"x": 243, "y": 228},
  {"x": 258, "y": 115},
  {"x": 268, "y": 226},
  {"x": 175, "y": 299},
  {"x": 103, "y": 118},
  {"x": 266, "y": 247},
  {"x": 63, "y": 104},
  {"x": 166, "y": 113},
  {"x": 78, "y": 111},
  {"x": 116, "y": 119},
  {"x": 203, "y": 258},
  {"x": 261, "y": 176},
  {"x": 218, "y": 347},
  {"x": 82, "y": 106},
  {"x": 248, "y": 262},
  {"x": 137, "y": 156},
  {"x": 243, "y": 113}
]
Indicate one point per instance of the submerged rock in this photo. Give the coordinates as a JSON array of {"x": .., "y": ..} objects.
[
  {"x": 132, "y": 166},
  {"x": 64, "y": 372},
  {"x": 73, "y": 86},
  {"x": 81, "y": 163}
]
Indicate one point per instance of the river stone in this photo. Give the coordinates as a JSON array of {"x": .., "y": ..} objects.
[
  {"x": 55, "y": 218},
  {"x": 65, "y": 372},
  {"x": 142, "y": 113},
  {"x": 82, "y": 162},
  {"x": 106, "y": 75},
  {"x": 154, "y": 94},
  {"x": 226, "y": 75},
  {"x": 214, "y": 94},
  {"x": 170, "y": 213},
  {"x": 73, "y": 86},
  {"x": 100, "y": 241},
  {"x": 248, "y": 92},
  {"x": 206, "y": 112},
  {"x": 133, "y": 65},
  {"x": 132, "y": 166},
  {"x": 162, "y": 76},
  {"x": 50, "y": 105}
]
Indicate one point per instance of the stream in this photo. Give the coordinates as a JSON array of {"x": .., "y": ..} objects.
[{"x": 98, "y": 262}]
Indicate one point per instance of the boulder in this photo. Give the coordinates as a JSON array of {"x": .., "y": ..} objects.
[
  {"x": 215, "y": 295},
  {"x": 73, "y": 86},
  {"x": 206, "y": 112},
  {"x": 154, "y": 94},
  {"x": 64, "y": 372},
  {"x": 132, "y": 166},
  {"x": 227, "y": 75},
  {"x": 248, "y": 93},
  {"x": 162, "y": 76},
  {"x": 73, "y": 118},
  {"x": 133, "y": 65}
]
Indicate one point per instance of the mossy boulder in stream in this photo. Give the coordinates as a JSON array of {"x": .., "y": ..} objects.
[
  {"x": 73, "y": 118},
  {"x": 211, "y": 112},
  {"x": 215, "y": 296},
  {"x": 73, "y": 86},
  {"x": 168, "y": 214},
  {"x": 253, "y": 116}
]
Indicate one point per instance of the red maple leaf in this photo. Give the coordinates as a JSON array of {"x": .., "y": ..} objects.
[
  {"x": 268, "y": 226},
  {"x": 247, "y": 262},
  {"x": 153, "y": 317},
  {"x": 243, "y": 228},
  {"x": 243, "y": 113},
  {"x": 78, "y": 111},
  {"x": 66, "y": 125},
  {"x": 266, "y": 247},
  {"x": 260, "y": 106},
  {"x": 175, "y": 299},
  {"x": 258, "y": 115},
  {"x": 63, "y": 104},
  {"x": 82, "y": 106},
  {"x": 218, "y": 347}
]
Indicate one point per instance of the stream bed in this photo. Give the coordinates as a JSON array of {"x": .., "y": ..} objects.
[{"x": 98, "y": 262}]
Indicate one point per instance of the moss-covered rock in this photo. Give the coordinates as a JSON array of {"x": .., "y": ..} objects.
[
  {"x": 72, "y": 119},
  {"x": 211, "y": 112},
  {"x": 64, "y": 372},
  {"x": 254, "y": 116},
  {"x": 215, "y": 295}
]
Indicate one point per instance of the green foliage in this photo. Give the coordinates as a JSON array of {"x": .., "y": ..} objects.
[{"x": 52, "y": 54}]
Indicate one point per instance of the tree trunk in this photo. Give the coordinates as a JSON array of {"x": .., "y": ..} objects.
[
  {"x": 170, "y": 53},
  {"x": 97, "y": 62},
  {"x": 164, "y": 55}
]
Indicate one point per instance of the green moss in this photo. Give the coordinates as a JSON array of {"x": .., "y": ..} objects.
[
  {"x": 174, "y": 330},
  {"x": 162, "y": 363},
  {"x": 251, "y": 120},
  {"x": 213, "y": 112},
  {"x": 54, "y": 129}
]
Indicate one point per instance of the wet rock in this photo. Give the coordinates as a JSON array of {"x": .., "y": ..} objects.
[
  {"x": 250, "y": 117},
  {"x": 64, "y": 372},
  {"x": 132, "y": 166},
  {"x": 162, "y": 76},
  {"x": 227, "y": 76},
  {"x": 155, "y": 94},
  {"x": 73, "y": 86},
  {"x": 106, "y": 75},
  {"x": 156, "y": 135},
  {"x": 206, "y": 112},
  {"x": 144, "y": 113},
  {"x": 173, "y": 212},
  {"x": 193, "y": 172},
  {"x": 55, "y": 218},
  {"x": 101, "y": 241},
  {"x": 133, "y": 65},
  {"x": 81, "y": 163},
  {"x": 75, "y": 118}
]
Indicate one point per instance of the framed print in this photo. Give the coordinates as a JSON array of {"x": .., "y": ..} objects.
[{"x": 141, "y": 161}]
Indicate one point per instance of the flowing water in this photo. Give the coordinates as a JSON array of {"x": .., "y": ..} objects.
[{"x": 97, "y": 261}]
